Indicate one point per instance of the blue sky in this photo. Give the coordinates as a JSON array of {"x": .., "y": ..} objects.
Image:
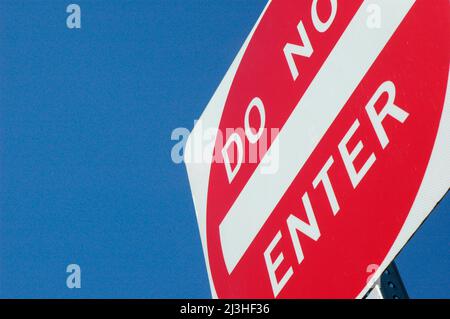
[{"x": 85, "y": 170}]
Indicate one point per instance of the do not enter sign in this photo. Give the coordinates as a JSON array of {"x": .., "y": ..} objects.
[{"x": 330, "y": 146}]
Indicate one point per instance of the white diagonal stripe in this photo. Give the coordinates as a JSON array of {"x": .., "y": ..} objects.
[{"x": 339, "y": 76}]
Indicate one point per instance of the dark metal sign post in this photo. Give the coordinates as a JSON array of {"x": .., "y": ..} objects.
[{"x": 391, "y": 284}]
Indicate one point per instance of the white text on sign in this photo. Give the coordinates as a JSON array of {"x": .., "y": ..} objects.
[{"x": 311, "y": 228}]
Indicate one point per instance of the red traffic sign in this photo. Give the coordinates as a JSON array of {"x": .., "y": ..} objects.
[{"x": 331, "y": 147}]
